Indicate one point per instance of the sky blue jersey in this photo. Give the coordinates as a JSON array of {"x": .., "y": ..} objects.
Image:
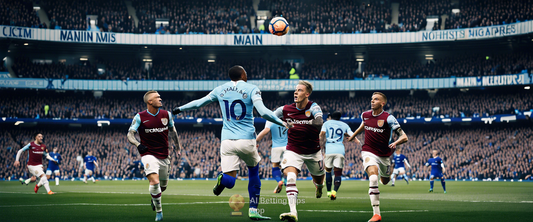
[
  {"x": 335, "y": 131},
  {"x": 236, "y": 100},
  {"x": 279, "y": 134}
]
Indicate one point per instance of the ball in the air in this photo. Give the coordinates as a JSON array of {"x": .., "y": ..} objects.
[
  {"x": 278, "y": 26},
  {"x": 236, "y": 202}
]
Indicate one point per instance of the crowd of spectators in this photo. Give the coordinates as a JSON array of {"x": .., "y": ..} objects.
[
  {"x": 477, "y": 13},
  {"x": 317, "y": 69},
  {"x": 19, "y": 13},
  {"x": 462, "y": 65},
  {"x": 412, "y": 15},
  {"x": 195, "y": 17},
  {"x": 474, "y": 153},
  {"x": 122, "y": 106}
]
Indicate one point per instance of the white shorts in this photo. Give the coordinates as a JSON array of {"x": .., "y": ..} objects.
[
  {"x": 88, "y": 172},
  {"x": 155, "y": 165},
  {"x": 49, "y": 172},
  {"x": 231, "y": 151},
  {"x": 314, "y": 162},
  {"x": 334, "y": 160},
  {"x": 383, "y": 163},
  {"x": 399, "y": 170},
  {"x": 36, "y": 170},
  {"x": 276, "y": 153}
]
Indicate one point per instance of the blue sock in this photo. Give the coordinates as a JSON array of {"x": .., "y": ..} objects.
[
  {"x": 431, "y": 183},
  {"x": 276, "y": 173},
  {"x": 228, "y": 181},
  {"x": 443, "y": 184},
  {"x": 254, "y": 186},
  {"x": 328, "y": 181}
]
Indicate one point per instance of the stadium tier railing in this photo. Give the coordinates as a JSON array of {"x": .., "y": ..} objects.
[
  {"x": 76, "y": 36},
  {"x": 270, "y": 85}
]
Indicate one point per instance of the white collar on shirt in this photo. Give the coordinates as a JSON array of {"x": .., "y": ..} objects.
[{"x": 235, "y": 82}]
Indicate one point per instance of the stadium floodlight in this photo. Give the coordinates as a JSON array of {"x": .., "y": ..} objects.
[
  {"x": 36, "y": 8},
  {"x": 18, "y": 123},
  {"x": 527, "y": 87},
  {"x": 147, "y": 60},
  {"x": 456, "y": 10},
  {"x": 26, "y": 43},
  {"x": 210, "y": 60},
  {"x": 84, "y": 59},
  {"x": 360, "y": 60}
]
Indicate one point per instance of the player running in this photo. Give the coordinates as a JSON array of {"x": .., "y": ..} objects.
[
  {"x": 154, "y": 126},
  {"x": 303, "y": 146},
  {"x": 237, "y": 100},
  {"x": 35, "y": 161},
  {"x": 377, "y": 149},
  {"x": 279, "y": 144},
  {"x": 331, "y": 137},
  {"x": 90, "y": 163},
  {"x": 53, "y": 166},
  {"x": 437, "y": 170},
  {"x": 399, "y": 162}
]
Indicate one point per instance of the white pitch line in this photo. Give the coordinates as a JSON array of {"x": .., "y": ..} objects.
[
  {"x": 362, "y": 211},
  {"x": 276, "y": 196},
  {"x": 116, "y": 205}
]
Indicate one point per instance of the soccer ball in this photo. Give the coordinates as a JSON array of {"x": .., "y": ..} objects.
[
  {"x": 236, "y": 202},
  {"x": 278, "y": 26}
]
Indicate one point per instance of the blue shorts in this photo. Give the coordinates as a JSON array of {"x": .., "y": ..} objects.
[
  {"x": 436, "y": 174},
  {"x": 52, "y": 168}
]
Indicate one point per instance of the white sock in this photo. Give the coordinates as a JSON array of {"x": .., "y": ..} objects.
[
  {"x": 393, "y": 176},
  {"x": 92, "y": 178},
  {"x": 28, "y": 181},
  {"x": 155, "y": 191},
  {"x": 373, "y": 192},
  {"x": 292, "y": 191},
  {"x": 57, "y": 180},
  {"x": 85, "y": 179},
  {"x": 44, "y": 182}
]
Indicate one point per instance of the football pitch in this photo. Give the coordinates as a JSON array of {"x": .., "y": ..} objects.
[{"x": 194, "y": 201}]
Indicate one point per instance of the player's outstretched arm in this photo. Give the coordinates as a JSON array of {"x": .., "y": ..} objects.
[
  {"x": 262, "y": 134},
  {"x": 267, "y": 114},
  {"x": 195, "y": 104},
  {"x": 17, "y": 163},
  {"x": 359, "y": 130},
  {"x": 407, "y": 163}
]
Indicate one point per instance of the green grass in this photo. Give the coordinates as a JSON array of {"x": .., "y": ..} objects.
[{"x": 194, "y": 201}]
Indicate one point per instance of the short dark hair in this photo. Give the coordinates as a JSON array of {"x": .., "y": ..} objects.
[
  {"x": 235, "y": 73},
  {"x": 35, "y": 135},
  {"x": 336, "y": 115}
]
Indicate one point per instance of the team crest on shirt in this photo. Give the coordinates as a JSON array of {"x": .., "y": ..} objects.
[
  {"x": 244, "y": 96},
  {"x": 308, "y": 113},
  {"x": 147, "y": 166},
  {"x": 164, "y": 121},
  {"x": 381, "y": 122},
  {"x": 284, "y": 161}
]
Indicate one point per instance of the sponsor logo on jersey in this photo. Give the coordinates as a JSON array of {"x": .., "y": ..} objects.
[
  {"x": 376, "y": 130},
  {"x": 381, "y": 122},
  {"x": 164, "y": 121},
  {"x": 308, "y": 113},
  {"x": 155, "y": 130},
  {"x": 294, "y": 121}
]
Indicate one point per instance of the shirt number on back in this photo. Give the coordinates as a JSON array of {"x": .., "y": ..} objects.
[
  {"x": 337, "y": 132},
  {"x": 230, "y": 110}
]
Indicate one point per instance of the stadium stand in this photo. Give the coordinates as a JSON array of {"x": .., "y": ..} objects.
[{"x": 19, "y": 13}]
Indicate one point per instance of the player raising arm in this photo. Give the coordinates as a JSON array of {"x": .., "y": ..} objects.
[
  {"x": 237, "y": 100},
  {"x": 154, "y": 126},
  {"x": 35, "y": 161},
  {"x": 377, "y": 149}
]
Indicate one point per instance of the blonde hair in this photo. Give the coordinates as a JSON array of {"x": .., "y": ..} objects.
[
  {"x": 145, "y": 98},
  {"x": 381, "y": 94},
  {"x": 308, "y": 85}
]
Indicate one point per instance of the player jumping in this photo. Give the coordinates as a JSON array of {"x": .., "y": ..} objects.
[
  {"x": 237, "y": 100},
  {"x": 331, "y": 137},
  {"x": 154, "y": 127},
  {"x": 303, "y": 146},
  {"x": 399, "y": 163},
  {"x": 377, "y": 149},
  {"x": 53, "y": 166},
  {"x": 35, "y": 161},
  {"x": 437, "y": 170},
  {"x": 279, "y": 144}
]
